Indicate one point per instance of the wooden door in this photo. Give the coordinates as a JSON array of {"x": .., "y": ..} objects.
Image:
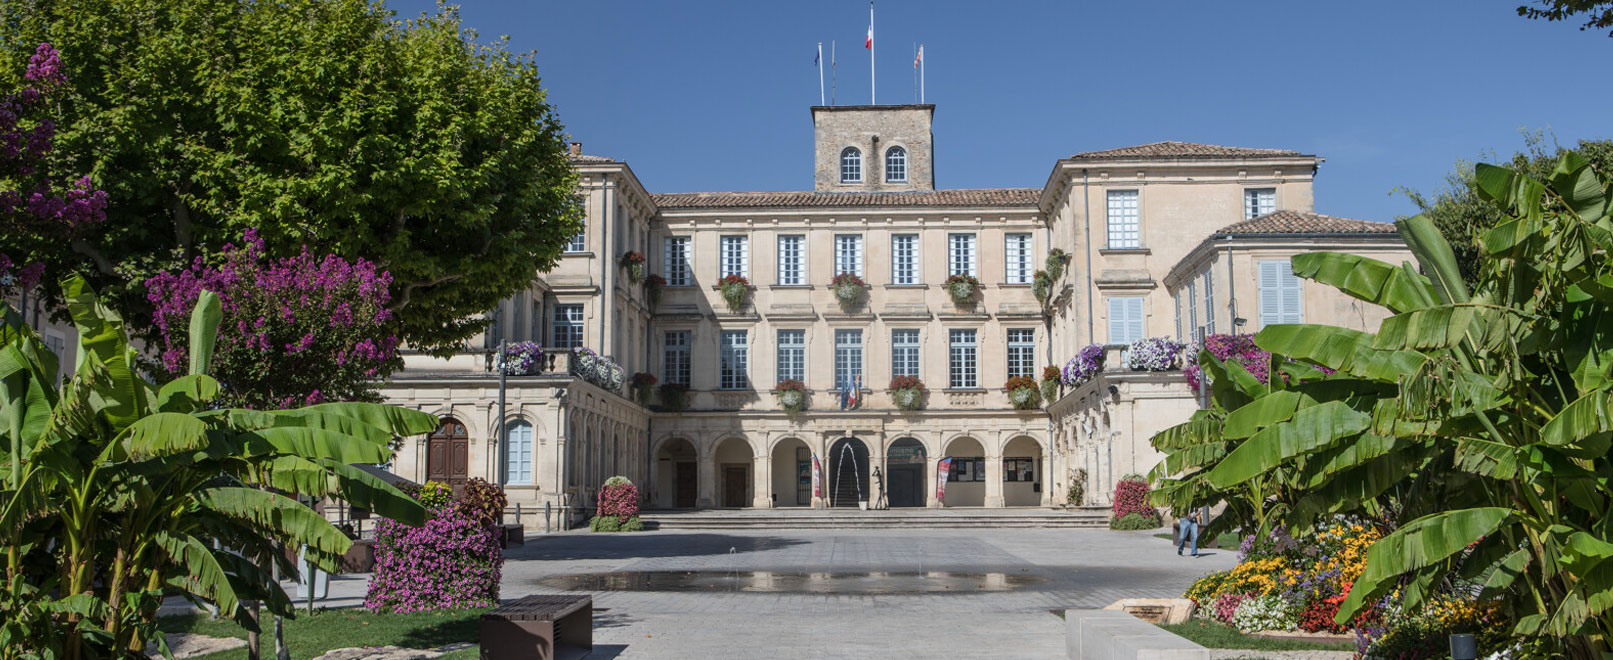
[
  {"x": 448, "y": 454},
  {"x": 734, "y": 486},
  {"x": 688, "y": 485}
]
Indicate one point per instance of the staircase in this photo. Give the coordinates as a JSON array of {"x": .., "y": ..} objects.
[{"x": 843, "y": 518}]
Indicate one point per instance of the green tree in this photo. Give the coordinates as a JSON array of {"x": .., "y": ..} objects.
[
  {"x": 1598, "y": 13},
  {"x": 119, "y": 490},
  {"x": 1463, "y": 215},
  {"x": 320, "y": 123},
  {"x": 1475, "y": 423}
]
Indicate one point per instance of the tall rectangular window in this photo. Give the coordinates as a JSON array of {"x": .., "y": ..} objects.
[
  {"x": 1123, "y": 224},
  {"x": 905, "y": 259},
  {"x": 567, "y": 327},
  {"x": 961, "y": 359},
  {"x": 1209, "y": 302},
  {"x": 1279, "y": 294},
  {"x": 1258, "y": 202},
  {"x": 734, "y": 373},
  {"x": 1193, "y": 312},
  {"x": 1125, "y": 320},
  {"x": 1021, "y": 352},
  {"x": 849, "y": 254},
  {"x": 579, "y": 242},
  {"x": 1017, "y": 257},
  {"x": 791, "y": 355},
  {"x": 905, "y": 352},
  {"x": 791, "y": 259},
  {"x": 961, "y": 254},
  {"x": 736, "y": 256},
  {"x": 848, "y": 358},
  {"x": 518, "y": 454},
  {"x": 675, "y": 362},
  {"x": 675, "y": 258}
]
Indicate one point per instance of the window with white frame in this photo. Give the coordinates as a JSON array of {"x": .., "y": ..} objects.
[
  {"x": 849, "y": 254},
  {"x": 1124, "y": 231},
  {"x": 518, "y": 453},
  {"x": 895, "y": 165},
  {"x": 905, "y": 352},
  {"x": 1279, "y": 294},
  {"x": 1209, "y": 303},
  {"x": 675, "y": 358},
  {"x": 791, "y": 259},
  {"x": 567, "y": 327},
  {"x": 734, "y": 373},
  {"x": 961, "y": 362},
  {"x": 1125, "y": 320},
  {"x": 961, "y": 254},
  {"x": 904, "y": 259},
  {"x": 1177, "y": 300},
  {"x": 579, "y": 242},
  {"x": 848, "y": 358},
  {"x": 1258, "y": 202},
  {"x": 1017, "y": 258},
  {"x": 1021, "y": 352},
  {"x": 851, "y": 165},
  {"x": 791, "y": 355},
  {"x": 1193, "y": 327},
  {"x": 735, "y": 256},
  {"x": 675, "y": 258}
]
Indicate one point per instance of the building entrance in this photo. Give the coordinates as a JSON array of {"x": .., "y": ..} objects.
[
  {"x": 447, "y": 454},
  {"x": 905, "y": 473},
  {"x": 848, "y": 472}
]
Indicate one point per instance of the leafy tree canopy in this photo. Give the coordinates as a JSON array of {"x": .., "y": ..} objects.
[
  {"x": 319, "y": 123},
  {"x": 1598, "y": 13}
]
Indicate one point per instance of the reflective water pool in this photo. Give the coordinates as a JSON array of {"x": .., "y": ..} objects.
[{"x": 836, "y": 582}]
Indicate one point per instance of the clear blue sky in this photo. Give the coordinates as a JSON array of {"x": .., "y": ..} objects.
[{"x": 713, "y": 96}]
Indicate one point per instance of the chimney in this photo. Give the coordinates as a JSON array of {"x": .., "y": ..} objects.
[{"x": 576, "y": 148}]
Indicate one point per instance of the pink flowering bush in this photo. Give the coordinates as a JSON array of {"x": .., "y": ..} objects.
[
  {"x": 1131, "y": 497},
  {"x": 451, "y": 562},
  {"x": 298, "y": 330},
  {"x": 618, "y": 507},
  {"x": 1229, "y": 348}
]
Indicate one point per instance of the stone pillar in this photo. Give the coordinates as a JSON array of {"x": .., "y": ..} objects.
[
  {"x": 1045, "y": 472},
  {"x": 820, "y": 448},
  {"x": 762, "y": 479},
  {"x": 994, "y": 479},
  {"x": 932, "y": 462},
  {"x": 706, "y": 496}
]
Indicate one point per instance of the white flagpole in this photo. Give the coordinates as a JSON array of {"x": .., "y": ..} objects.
[
  {"x": 915, "y": 69},
  {"x": 873, "y": 89},
  {"x": 921, "y": 73},
  {"x": 834, "y": 72},
  {"x": 820, "y": 73}
]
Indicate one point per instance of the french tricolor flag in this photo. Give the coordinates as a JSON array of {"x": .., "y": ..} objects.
[{"x": 870, "y": 44}]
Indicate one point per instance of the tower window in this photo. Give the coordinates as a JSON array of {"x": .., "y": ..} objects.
[
  {"x": 895, "y": 165},
  {"x": 851, "y": 165}
]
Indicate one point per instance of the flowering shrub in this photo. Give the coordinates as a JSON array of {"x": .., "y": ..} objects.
[
  {"x": 523, "y": 358},
  {"x": 673, "y": 396},
  {"x": 652, "y": 289},
  {"x": 1055, "y": 263},
  {"x": 633, "y": 263},
  {"x": 643, "y": 387},
  {"x": 1226, "y": 605},
  {"x": 1078, "y": 487},
  {"x": 962, "y": 288},
  {"x": 299, "y": 330},
  {"x": 1050, "y": 382},
  {"x": 1153, "y": 354},
  {"x": 848, "y": 288},
  {"x": 1234, "y": 348},
  {"x": 597, "y": 369},
  {"x": 18, "y": 279},
  {"x": 1022, "y": 392},
  {"x": 453, "y": 561},
  {"x": 434, "y": 494},
  {"x": 791, "y": 394},
  {"x": 482, "y": 501},
  {"x": 1265, "y": 613},
  {"x": 1318, "y": 615},
  {"x": 618, "y": 507},
  {"x": 1041, "y": 285},
  {"x": 1416, "y": 635},
  {"x": 735, "y": 290},
  {"x": 907, "y": 392},
  {"x": 1084, "y": 365},
  {"x": 1131, "y": 496}
]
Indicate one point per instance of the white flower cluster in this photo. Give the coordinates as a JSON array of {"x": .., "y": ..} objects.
[
  {"x": 1153, "y": 354},
  {"x": 597, "y": 369},
  {"x": 1269, "y": 612}
]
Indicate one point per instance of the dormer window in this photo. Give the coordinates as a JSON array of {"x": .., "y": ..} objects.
[
  {"x": 895, "y": 165},
  {"x": 851, "y": 165}
]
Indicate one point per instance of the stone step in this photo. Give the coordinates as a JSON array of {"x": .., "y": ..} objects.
[{"x": 841, "y": 519}]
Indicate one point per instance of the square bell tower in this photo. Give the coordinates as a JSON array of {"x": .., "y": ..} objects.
[{"x": 873, "y": 148}]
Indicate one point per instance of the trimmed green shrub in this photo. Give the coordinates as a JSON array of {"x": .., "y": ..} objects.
[{"x": 1134, "y": 521}]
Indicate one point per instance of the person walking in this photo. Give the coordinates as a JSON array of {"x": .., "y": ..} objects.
[{"x": 1188, "y": 527}]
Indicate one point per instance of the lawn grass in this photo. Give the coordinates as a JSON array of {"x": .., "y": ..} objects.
[
  {"x": 310, "y": 635},
  {"x": 1217, "y": 635}
]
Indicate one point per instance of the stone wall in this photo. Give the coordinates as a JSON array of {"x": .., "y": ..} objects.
[{"x": 873, "y": 130}]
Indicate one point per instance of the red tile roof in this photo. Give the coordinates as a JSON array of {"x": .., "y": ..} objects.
[
  {"x": 586, "y": 158},
  {"x": 1171, "y": 150},
  {"x": 1301, "y": 222},
  {"x": 987, "y": 197}
]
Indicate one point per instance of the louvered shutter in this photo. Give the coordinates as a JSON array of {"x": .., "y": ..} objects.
[
  {"x": 1125, "y": 320},
  {"x": 1271, "y": 303},
  {"x": 1292, "y": 310}
]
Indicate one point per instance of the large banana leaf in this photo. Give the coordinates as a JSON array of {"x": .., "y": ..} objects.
[
  {"x": 1202, "y": 427},
  {"x": 312, "y": 443},
  {"x": 204, "y": 320},
  {"x": 1364, "y": 278},
  {"x": 1488, "y": 327},
  {"x": 1310, "y": 430},
  {"x": 286, "y": 519},
  {"x": 400, "y": 421},
  {"x": 1435, "y": 256},
  {"x": 203, "y": 575},
  {"x": 327, "y": 478},
  {"x": 101, "y": 336},
  {"x": 1340, "y": 349},
  {"x": 187, "y": 394},
  {"x": 164, "y": 434},
  {"x": 1588, "y": 416},
  {"x": 1417, "y": 545}
]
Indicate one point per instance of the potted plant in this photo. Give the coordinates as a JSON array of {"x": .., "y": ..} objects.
[
  {"x": 848, "y": 289},
  {"x": 1022, "y": 393},
  {"x": 1050, "y": 382},
  {"x": 673, "y": 396},
  {"x": 1084, "y": 365},
  {"x": 907, "y": 392},
  {"x": 735, "y": 291},
  {"x": 522, "y": 358},
  {"x": 791, "y": 395},
  {"x": 633, "y": 263},
  {"x": 1153, "y": 354},
  {"x": 1055, "y": 264},
  {"x": 643, "y": 387},
  {"x": 962, "y": 288},
  {"x": 652, "y": 289},
  {"x": 1041, "y": 285}
]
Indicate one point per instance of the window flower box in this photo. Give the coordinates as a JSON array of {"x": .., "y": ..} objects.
[
  {"x": 848, "y": 289},
  {"x": 735, "y": 290},
  {"x": 792, "y": 395},
  {"x": 1022, "y": 393},
  {"x": 907, "y": 392},
  {"x": 962, "y": 289},
  {"x": 633, "y": 263}
]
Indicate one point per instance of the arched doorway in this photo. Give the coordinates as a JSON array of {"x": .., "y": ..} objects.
[
  {"x": 966, "y": 483},
  {"x": 734, "y": 460},
  {"x": 792, "y": 473},
  {"x": 677, "y": 475},
  {"x": 905, "y": 473},
  {"x": 847, "y": 478},
  {"x": 448, "y": 454},
  {"x": 1022, "y": 472}
]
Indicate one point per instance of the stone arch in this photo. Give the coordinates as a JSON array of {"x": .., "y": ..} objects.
[
  {"x": 676, "y": 474},
  {"x": 1024, "y": 483},
  {"x": 518, "y": 450},
  {"x": 733, "y": 458},
  {"x": 792, "y": 471},
  {"x": 906, "y": 477},
  {"x": 846, "y": 472},
  {"x": 966, "y": 484}
]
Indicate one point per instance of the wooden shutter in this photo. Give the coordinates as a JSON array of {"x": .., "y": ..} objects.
[
  {"x": 1293, "y": 310},
  {"x": 1271, "y": 303},
  {"x": 1125, "y": 320}
]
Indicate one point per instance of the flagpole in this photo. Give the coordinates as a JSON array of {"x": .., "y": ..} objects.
[
  {"x": 873, "y": 88},
  {"x": 834, "y": 72},
  {"x": 915, "y": 70},
  {"x": 921, "y": 74},
  {"x": 820, "y": 73}
]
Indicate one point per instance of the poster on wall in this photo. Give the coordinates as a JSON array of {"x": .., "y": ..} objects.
[
  {"x": 941, "y": 470},
  {"x": 980, "y": 469},
  {"x": 817, "y": 477}
]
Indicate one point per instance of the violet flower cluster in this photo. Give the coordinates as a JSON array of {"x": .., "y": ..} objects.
[
  {"x": 522, "y": 358},
  {"x": 298, "y": 330},
  {"x": 1084, "y": 365},
  {"x": 1153, "y": 354},
  {"x": 451, "y": 562},
  {"x": 1234, "y": 348},
  {"x": 23, "y": 278}
]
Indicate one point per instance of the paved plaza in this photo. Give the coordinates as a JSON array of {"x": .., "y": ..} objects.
[{"x": 1027, "y": 574}]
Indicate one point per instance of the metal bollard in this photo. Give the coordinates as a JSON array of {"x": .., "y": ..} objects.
[
  {"x": 548, "y": 509},
  {"x": 1464, "y": 647}
]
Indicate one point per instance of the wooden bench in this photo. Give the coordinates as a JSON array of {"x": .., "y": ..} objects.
[{"x": 547, "y": 627}]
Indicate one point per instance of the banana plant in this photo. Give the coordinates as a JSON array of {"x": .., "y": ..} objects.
[
  {"x": 120, "y": 491},
  {"x": 1476, "y": 424}
]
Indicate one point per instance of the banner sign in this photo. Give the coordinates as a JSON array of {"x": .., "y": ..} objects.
[
  {"x": 942, "y": 469},
  {"x": 817, "y": 477}
]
